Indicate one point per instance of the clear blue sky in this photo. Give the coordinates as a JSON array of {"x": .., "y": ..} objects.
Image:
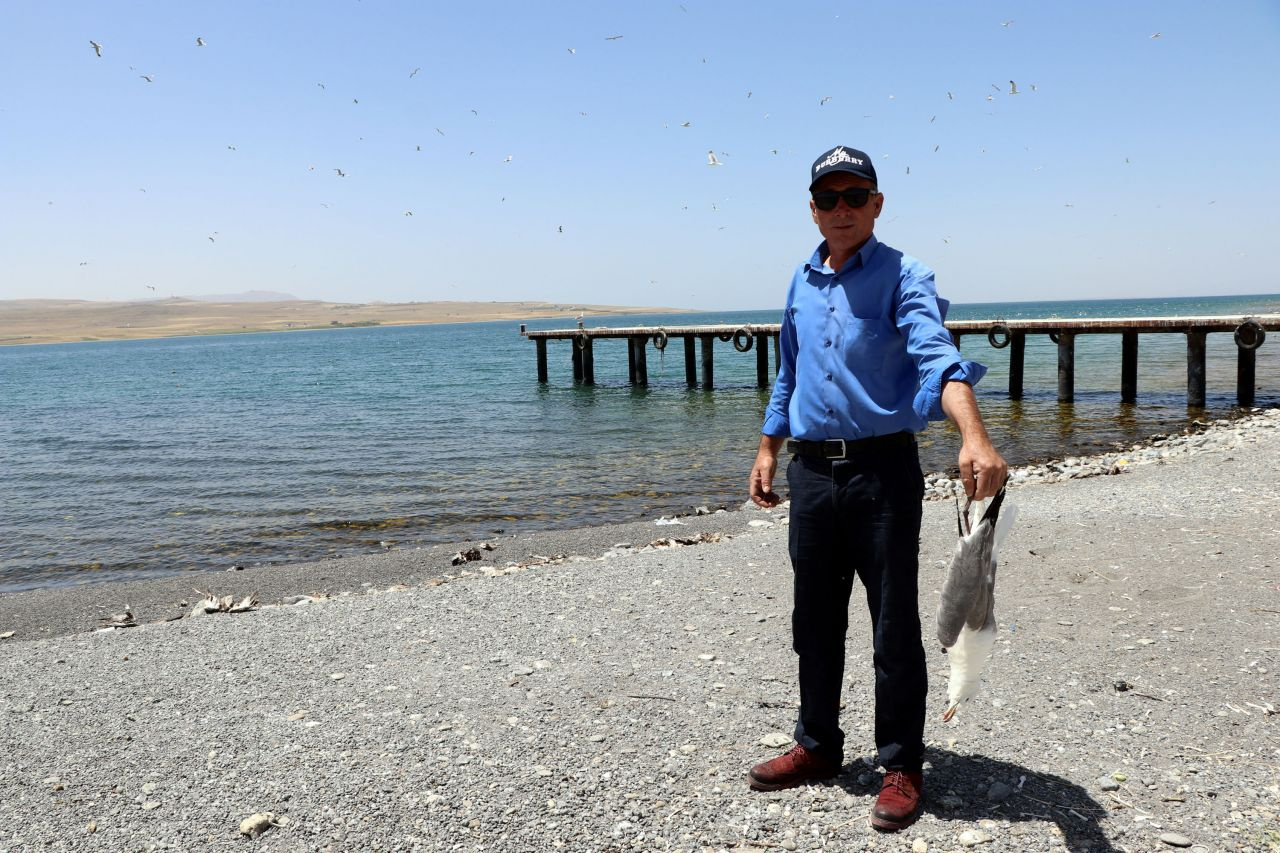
[{"x": 1127, "y": 165}]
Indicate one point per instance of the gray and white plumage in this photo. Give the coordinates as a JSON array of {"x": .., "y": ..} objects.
[
  {"x": 966, "y": 619},
  {"x": 711, "y": 159},
  {"x": 97, "y": 48}
]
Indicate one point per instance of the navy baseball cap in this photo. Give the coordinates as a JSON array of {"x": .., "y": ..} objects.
[{"x": 842, "y": 159}]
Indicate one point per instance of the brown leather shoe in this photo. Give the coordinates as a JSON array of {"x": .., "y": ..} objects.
[
  {"x": 899, "y": 802},
  {"x": 794, "y": 768}
]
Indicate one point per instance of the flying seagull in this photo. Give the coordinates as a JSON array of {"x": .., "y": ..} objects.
[
  {"x": 341, "y": 174},
  {"x": 1155, "y": 35},
  {"x": 199, "y": 43},
  {"x": 824, "y": 100},
  {"x": 1013, "y": 88},
  {"x": 97, "y": 48},
  {"x": 687, "y": 124},
  {"x": 1005, "y": 23},
  {"x": 571, "y": 49},
  {"x": 711, "y": 159},
  {"x": 150, "y": 286},
  {"x": 150, "y": 78},
  {"x": 413, "y": 72},
  {"x": 612, "y": 38}
]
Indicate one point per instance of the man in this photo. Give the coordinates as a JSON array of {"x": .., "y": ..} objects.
[{"x": 866, "y": 363}]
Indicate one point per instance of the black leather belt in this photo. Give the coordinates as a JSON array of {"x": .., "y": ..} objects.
[{"x": 841, "y": 448}]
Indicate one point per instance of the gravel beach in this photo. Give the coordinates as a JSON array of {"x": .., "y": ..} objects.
[{"x": 586, "y": 690}]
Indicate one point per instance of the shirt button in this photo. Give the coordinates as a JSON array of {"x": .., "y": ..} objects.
[
  {"x": 832, "y": 308},
  {"x": 831, "y": 411},
  {"x": 828, "y": 377},
  {"x": 826, "y": 343}
]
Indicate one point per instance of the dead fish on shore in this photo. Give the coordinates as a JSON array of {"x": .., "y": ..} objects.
[
  {"x": 966, "y": 613},
  {"x": 120, "y": 620},
  {"x": 223, "y": 604}
]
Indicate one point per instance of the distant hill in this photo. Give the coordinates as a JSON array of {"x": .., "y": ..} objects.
[{"x": 247, "y": 296}]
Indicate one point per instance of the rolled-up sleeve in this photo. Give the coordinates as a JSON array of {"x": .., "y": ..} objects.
[
  {"x": 777, "y": 418},
  {"x": 919, "y": 316}
]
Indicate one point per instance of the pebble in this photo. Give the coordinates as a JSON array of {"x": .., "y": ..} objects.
[
  {"x": 1106, "y": 783},
  {"x": 775, "y": 739},
  {"x": 1174, "y": 839},
  {"x": 973, "y": 837},
  {"x": 999, "y": 792},
  {"x": 919, "y": 846}
]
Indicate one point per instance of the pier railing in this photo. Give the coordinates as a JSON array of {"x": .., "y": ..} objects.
[{"x": 699, "y": 346}]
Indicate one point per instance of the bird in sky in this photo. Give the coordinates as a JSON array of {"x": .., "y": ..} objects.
[
  {"x": 413, "y": 72},
  {"x": 199, "y": 43},
  {"x": 475, "y": 111},
  {"x": 150, "y": 286},
  {"x": 612, "y": 38},
  {"x": 150, "y": 78},
  {"x": 561, "y": 227},
  {"x": 1005, "y": 23},
  {"x": 97, "y": 48},
  {"x": 419, "y": 147},
  {"x": 711, "y": 159},
  {"x": 408, "y": 213},
  {"x": 1155, "y": 35},
  {"x": 1013, "y": 88},
  {"x": 321, "y": 85},
  {"x": 687, "y": 124},
  {"x": 571, "y": 49},
  {"x": 931, "y": 118},
  {"x": 508, "y": 160},
  {"x": 824, "y": 100},
  {"x": 439, "y": 131},
  {"x": 950, "y": 97},
  {"x": 341, "y": 174}
]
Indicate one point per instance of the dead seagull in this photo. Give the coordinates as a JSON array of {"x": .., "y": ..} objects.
[
  {"x": 97, "y": 48},
  {"x": 966, "y": 614}
]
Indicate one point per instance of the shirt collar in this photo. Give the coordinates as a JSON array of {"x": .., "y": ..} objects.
[{"x": 859, "y": 258}]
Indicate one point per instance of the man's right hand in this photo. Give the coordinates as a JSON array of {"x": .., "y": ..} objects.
[{"x": 760, "y": 486}]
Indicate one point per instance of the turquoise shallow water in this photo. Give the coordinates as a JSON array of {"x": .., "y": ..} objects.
[{"x": 127, "y": 459}]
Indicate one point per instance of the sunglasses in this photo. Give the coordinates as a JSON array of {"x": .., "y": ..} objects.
[{"x": 854, "y": 197}]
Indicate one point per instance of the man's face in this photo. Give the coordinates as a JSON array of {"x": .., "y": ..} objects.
[{"x": 846, "y": 228}]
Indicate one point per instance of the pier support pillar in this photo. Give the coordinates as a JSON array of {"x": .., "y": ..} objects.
[
  {"x": 1066, "y": 366},
  {"x": 955, "y": 339},
  {"x": 637, "y": 360},
  {"x": 708, "y": 367},
  {"x": 588, "y": 362},
  {"x": 777, "y": 354},
  {"x": 541, "y": 343},
  {"x": 1017, "y": 355},
  {"x": 1195, "y": 369},
  {"x": 1128, "y": 367},
  {"x": 1246, "y": 360},
  {"x": 577, "y": 359},
  {"x": 762, "y": 360},
  {"x": 690, "y": 363}
]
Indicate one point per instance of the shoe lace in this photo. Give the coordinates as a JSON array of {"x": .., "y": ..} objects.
[{"x": 901, "y": 781}]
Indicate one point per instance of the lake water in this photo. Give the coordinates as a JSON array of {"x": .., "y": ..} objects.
[{"x": 135, "y": 458}]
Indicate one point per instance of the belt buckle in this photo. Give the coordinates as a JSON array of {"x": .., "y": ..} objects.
[{"x": 844, "y": 449}]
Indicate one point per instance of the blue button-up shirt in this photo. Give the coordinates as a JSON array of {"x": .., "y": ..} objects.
[{"x": 863, "y": 349}]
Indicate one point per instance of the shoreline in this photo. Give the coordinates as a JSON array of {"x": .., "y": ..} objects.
[
  {"x": 59, "y": 610},
  {"x": 32, "y": 322},
  {"x": 614, "y": 702}
]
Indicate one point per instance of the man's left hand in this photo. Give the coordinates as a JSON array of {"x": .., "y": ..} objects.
[{"x": 982, "y": 470}]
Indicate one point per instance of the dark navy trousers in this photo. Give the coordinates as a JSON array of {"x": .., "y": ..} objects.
[{"x": 859, "y": 516}]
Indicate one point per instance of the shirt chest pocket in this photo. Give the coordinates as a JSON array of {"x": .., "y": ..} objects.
[{"x": 865, "y": 343}]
